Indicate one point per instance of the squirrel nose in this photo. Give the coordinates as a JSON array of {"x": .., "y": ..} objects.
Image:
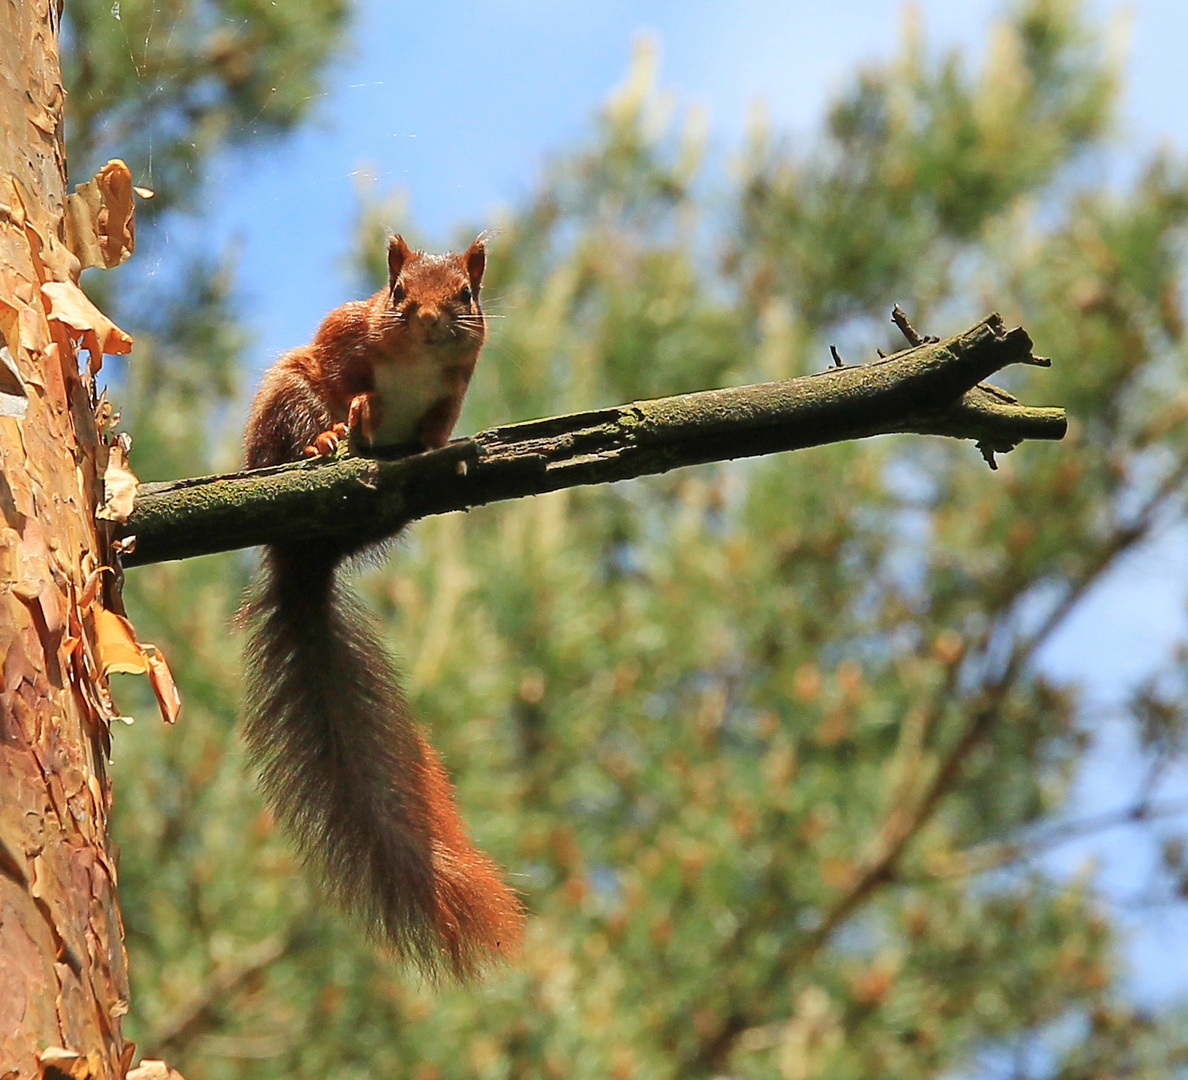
[{"x": 433, "y": 320}]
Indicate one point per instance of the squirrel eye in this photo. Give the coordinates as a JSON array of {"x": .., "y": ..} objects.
[
  {"x": 397, "y": 293},
  {"x": 464, "y": 294}
]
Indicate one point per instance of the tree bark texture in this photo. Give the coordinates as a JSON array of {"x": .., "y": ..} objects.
[{"x": 63, "y": 984}]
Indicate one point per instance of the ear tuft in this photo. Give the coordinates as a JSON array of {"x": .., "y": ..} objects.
[
  {"x": 476, "y": 261},
  {"x": 398, "y": 254}
]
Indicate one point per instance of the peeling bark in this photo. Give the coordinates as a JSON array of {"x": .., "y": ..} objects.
[{"x": 63, "y": 980}]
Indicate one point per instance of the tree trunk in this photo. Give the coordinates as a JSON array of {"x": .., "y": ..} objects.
[{"x": 63, "y": 982}]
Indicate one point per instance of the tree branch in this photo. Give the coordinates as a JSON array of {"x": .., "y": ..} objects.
[{"x": 929, "y": 389}]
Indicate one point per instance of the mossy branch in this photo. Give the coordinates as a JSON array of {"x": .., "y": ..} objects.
[{"x": 931, "y": 388}]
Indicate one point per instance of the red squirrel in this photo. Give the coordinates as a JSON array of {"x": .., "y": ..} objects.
[{"x": 342, "y": 762}]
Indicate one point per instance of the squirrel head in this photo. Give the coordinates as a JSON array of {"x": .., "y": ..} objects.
[{"x": 436, "y": 297}]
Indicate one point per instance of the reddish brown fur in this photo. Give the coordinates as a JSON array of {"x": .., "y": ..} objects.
[
  {"x": 365, "y": 343},
  {"x": 341, "y": 760},
  {"x": 477, "y": 914}
]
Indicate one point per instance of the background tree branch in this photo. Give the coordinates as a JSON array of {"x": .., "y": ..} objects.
[{"x": 932, "y": 388}]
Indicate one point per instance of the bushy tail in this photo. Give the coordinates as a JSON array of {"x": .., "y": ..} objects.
[{"x": 345, "y": 768}]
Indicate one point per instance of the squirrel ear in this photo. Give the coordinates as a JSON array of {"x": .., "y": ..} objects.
[
  {"x": 398, "y": 253},
  {"x": 476, "y": 260}
]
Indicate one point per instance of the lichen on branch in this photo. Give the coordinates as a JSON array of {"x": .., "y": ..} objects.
[{"x": 932, "y": 388}]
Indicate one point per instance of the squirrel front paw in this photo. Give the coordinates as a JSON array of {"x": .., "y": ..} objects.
[
  {"x": 326, "y": 442},
  {"x": 363, "y": 419}
]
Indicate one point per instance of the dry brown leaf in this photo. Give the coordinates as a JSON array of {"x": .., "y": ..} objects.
[
  {"x": 116, "y": 644},
  {"x": 119, "y": 484},
  {"x": 100, "y": 217},
  {"x": 161, "y": 680},
  {"x": 70, "y": 306},
  {"x": 119, "y": 651}
]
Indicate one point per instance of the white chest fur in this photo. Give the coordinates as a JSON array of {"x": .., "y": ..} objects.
[{"x": 406, "y": 393}]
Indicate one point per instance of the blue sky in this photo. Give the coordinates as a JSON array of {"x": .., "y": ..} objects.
[
  {"x": 460, "y": 106},
  {"x": 460, "y": 110}
]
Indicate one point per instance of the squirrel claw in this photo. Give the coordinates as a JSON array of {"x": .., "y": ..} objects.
[{"x": 326, "y": 442}]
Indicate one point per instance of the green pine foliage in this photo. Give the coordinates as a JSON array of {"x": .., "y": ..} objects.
[
  {"x": 164, "y": 83},
  {"x": 765, "y": 745}
]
